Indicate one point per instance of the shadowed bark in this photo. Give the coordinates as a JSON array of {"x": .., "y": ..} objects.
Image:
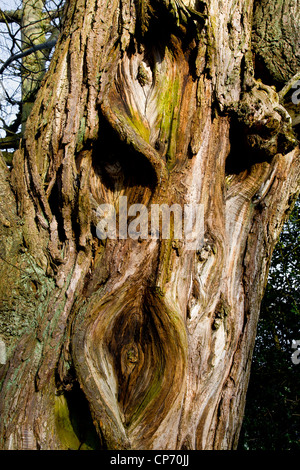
[{"x": 158, "y": 102}]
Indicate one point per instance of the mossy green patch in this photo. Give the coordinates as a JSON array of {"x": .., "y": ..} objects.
[
  {"x": 64, "y": 428},
  {"x": 168, "y": 108},
  {"x": 140, "y": 126},
  {"x": 73, "y": 421},
  {"x": 149, "y": 397}
]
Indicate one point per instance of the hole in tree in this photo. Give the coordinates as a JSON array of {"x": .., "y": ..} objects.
[{"x": 74, "y": 422}]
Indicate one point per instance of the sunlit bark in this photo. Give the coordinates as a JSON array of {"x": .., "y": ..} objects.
[{"x": 156, "y": 101}]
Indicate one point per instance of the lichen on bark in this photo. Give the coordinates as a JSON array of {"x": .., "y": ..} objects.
[
  {"x": 158, "y": 337},
  {"x": 276, "y": 40}
]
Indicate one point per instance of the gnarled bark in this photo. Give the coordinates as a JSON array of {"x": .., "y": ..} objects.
[{"x": 155, "y": 101}]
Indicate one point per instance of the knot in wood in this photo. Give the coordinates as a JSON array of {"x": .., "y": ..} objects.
[
  {"x": 142, "y": 75},
  {"x": 129, "y": 358}
]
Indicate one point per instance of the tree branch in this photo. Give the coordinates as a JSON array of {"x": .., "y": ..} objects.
[
  {"x": 15, "y": 16},
  {"x": 10, "y": 16},
  {"x": 26, "y": 52},
  {"x": 289, "y": 85},
  {"x": 54, "y": 14},
  {"x": 10, "y": 142}
]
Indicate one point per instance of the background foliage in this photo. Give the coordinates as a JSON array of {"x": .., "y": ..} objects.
[{"x": 272, "y": 414}]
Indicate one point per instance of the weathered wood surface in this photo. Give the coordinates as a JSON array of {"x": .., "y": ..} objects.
[{"x": 161, "y": 106}]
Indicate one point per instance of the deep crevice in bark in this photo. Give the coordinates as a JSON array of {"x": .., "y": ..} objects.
[
  {"x": 113, "y": 118},
  {"x": 74, "y": 423}
]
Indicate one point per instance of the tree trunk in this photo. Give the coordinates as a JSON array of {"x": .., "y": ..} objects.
[
  {"x": 33, "y": 30},
  {"x": 141, "y": 343}
]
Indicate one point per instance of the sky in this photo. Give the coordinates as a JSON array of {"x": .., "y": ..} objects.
[{"x": 8, "y": 83}]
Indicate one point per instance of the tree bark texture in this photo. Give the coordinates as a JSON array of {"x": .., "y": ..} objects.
[{"x": 141, "y": 344}]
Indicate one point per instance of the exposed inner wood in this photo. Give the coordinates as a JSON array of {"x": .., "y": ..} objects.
[{"x": 159, "y": 337}]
